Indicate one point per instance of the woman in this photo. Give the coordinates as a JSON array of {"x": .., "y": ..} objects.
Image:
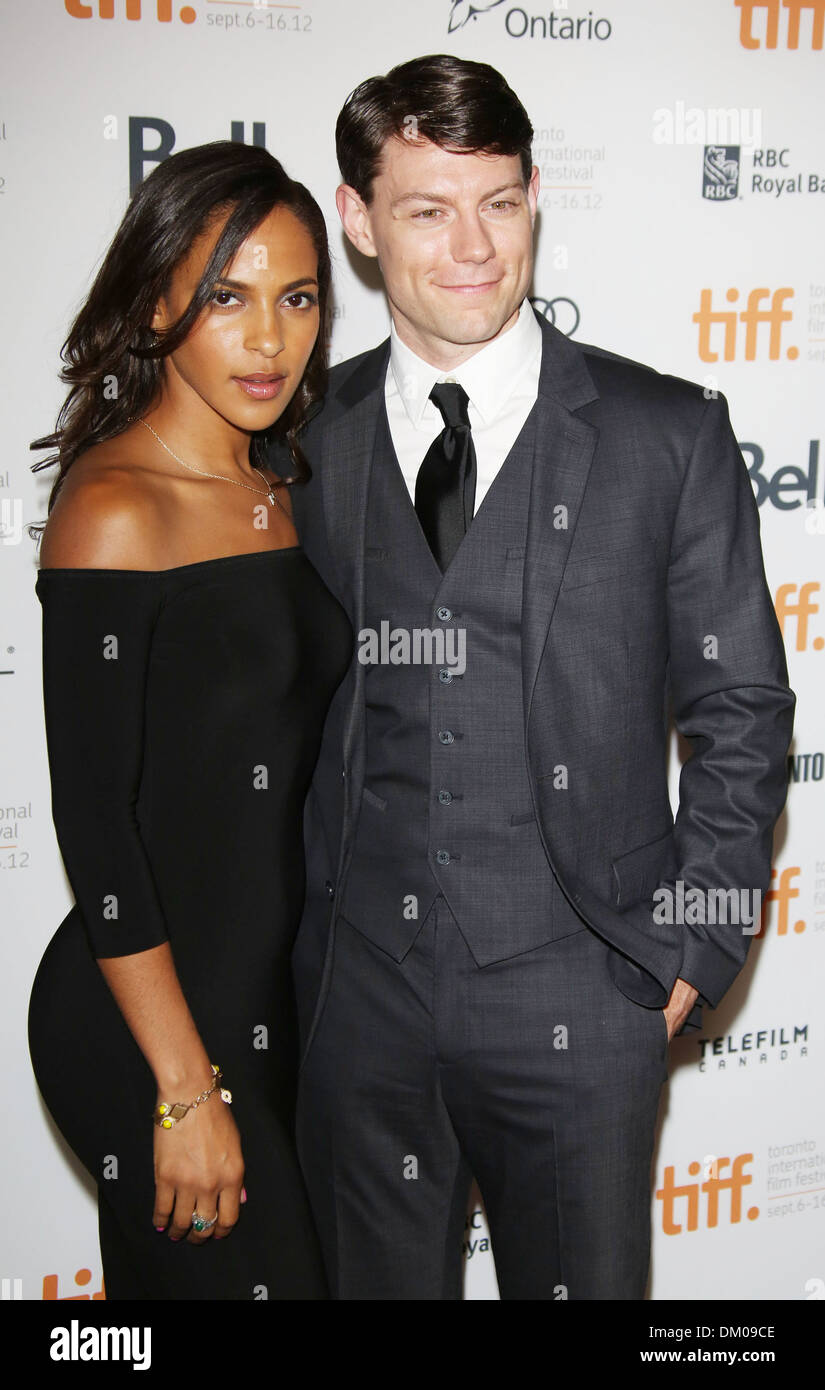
[{"x": 190, "y": 652}]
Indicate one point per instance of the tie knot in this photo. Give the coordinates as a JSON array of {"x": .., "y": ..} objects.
[{"x": 452, "y": 400}]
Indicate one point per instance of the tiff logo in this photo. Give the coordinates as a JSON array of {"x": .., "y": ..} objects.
[
  {"x": 733, "y": 1183},
  {"x": 133, "y": 10},
  {"x": 783, "y": 894},
  {"x": 748, "y": 39},
  {"x": 706, "y": 318},
  {"x": 801, "y": 610}
]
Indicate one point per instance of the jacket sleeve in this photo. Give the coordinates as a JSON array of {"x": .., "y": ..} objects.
[
  {"x": 731, "y": 701},
  {"x": 97, "y": 638}
]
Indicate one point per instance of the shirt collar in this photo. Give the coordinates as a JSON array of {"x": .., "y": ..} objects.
[{"x": 489, "y": 377}]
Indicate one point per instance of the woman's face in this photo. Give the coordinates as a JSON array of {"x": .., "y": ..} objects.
[{"x": 249, "y": 348}]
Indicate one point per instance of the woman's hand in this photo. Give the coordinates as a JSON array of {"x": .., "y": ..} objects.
[
  {"x": 198, "y": 1162},
  {"x": 198, "y": 1167}
]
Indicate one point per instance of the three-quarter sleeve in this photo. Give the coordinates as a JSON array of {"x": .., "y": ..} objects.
[{"x": 98, "y": 629}]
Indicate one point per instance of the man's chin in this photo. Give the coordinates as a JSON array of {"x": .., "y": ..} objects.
[{"x": 472, "y": 326}]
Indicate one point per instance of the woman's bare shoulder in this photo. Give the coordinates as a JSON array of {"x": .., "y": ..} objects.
[{"x": 106, "y": 516}]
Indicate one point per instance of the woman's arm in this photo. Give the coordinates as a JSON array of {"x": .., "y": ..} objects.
[
  {"x": 198, "y": 1163},
  {"x": 100, "y": 608}
]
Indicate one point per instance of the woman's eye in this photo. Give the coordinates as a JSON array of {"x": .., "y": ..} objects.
[
  {"x": 223, "y": 297},
  {"x": 302, "y": 299}
]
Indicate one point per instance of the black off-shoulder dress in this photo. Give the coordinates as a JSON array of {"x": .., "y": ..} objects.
[{"x": 184, "y": 711}]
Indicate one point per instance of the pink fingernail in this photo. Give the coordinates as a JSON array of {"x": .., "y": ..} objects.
[
  {"x": 243, "y": 1194},
  {"x": 160, "y": 1228}
]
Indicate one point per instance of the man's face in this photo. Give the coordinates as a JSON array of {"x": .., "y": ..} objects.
[{"x": 453, "y": 234}]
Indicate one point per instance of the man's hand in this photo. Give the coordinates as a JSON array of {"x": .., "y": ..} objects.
[{"x": 681, "y": 1001}]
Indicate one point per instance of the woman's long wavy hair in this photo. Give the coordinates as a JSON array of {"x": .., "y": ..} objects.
[{"x": 114, "y": 359}]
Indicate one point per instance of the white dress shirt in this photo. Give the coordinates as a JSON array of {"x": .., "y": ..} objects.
[{"x": 501, "y": 381}]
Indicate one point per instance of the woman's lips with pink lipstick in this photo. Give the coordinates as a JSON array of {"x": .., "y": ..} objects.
[{"x": 262, "y": 386}]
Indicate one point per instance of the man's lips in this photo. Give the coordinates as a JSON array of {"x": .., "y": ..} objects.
[
  {"x": 262, "y": 386},
  {"x": 476, "y": 288}
]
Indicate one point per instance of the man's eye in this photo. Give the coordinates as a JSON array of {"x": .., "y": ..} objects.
[
  {"x": 425, "y": 213},
  {"x": 502, "y": 203}
]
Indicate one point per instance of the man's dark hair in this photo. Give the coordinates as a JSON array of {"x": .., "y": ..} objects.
[{"x": 457, "y": 104}]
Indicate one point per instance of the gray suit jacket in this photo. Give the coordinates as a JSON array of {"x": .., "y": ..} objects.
[{"x": 643, "y": 585}]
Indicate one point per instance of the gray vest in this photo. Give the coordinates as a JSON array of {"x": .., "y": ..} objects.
[{"x": 446, "y": 805}]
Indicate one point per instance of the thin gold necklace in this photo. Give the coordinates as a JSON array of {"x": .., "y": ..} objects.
[{"x": 270, "y": 488}]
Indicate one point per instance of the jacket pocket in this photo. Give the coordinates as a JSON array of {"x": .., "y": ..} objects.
[
  {"x": 373, "y": 799},
  {"x": 581, "y": 571},
  {"x": 641, "y": 870}
]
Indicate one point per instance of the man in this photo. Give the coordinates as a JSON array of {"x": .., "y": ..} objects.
[{"x": 487, "y": 985}]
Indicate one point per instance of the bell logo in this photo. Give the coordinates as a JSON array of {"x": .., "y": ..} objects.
[
  {"x": 689, "y": 1195},
  {"x": 133, "y": 9},
  {"x": 748, "y": 39},
  {"x": 782, "y": 895},
  {"x": 706, "y": 317}
]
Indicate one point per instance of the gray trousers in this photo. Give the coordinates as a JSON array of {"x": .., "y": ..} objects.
[{"x": 536, "y": 1075}]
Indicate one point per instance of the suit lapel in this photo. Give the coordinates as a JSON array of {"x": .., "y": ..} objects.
[
  {"x": 347, "y": 449},
  {"x": 565, "y": 446}
]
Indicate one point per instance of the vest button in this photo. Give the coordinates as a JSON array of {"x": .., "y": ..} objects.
[
  {"x": 445, "y": 736},
  {"x": 445, "y": 676},
  {"x": 445, "y": 797},
  {"x": 330, "y": 889},
  {"x": 442, "y": 856},
  {"x": 444, "y": 614}
]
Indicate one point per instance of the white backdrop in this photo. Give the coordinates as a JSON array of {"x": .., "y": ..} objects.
[{"x": 649, "y": 114}]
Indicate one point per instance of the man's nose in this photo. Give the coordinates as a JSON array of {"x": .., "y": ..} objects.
[{"x": 471, "y": 240}]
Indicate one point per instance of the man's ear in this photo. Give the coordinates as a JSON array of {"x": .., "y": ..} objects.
[
  {"x": 533, "y": 192},
  {"x": 355, "y": 217}
]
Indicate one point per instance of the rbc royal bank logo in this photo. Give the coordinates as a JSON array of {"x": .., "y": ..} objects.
[{"x": 720, "y": 172}]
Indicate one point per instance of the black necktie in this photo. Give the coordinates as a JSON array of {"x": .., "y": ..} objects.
[{"x": 445, "y": 487}]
